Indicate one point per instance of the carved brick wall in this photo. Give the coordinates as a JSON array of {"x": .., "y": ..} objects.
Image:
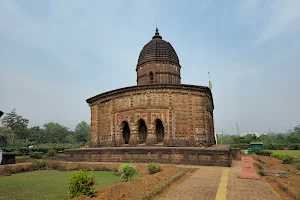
[
  {"x": 162, "y": 73},
  {"x": 186, "y": 115},
  {"x": 94, "y": 139}
]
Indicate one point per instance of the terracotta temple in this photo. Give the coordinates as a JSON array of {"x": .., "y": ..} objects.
[{"x": 158, "y": 111}]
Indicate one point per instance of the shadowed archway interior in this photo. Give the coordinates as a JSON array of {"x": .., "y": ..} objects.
[
  {"x": 151, "y": 77},
  {"x": 142, "y": 131},
  {"x": 126, "y": 132},
  {"x": 159, "y": 131}
]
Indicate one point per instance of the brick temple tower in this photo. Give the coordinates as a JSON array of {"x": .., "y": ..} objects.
[{"x": 158, "y": 63}]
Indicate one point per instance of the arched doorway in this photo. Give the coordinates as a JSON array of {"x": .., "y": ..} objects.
[
  {"x": 142, "y": 131},
  {"x": 126, "y": 131},
  {"x": 159, "y": 131}
]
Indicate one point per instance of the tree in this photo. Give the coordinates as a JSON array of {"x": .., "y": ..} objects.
[
  {"x": 35, "y": 134},
  {"x": 5, "y": 135},
  {"x": 82, "y": 132},
  {"x": 16, "y": 123},
  {"x": 294, "y": 137},
  {"x": 55, "y": 133}
]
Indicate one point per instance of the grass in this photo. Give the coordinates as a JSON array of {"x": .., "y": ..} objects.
[
  {"x": 295, "y": 153},
  {"x": 46, "y": 184}
]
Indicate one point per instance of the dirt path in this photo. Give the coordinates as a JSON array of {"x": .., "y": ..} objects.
[{"x": 204, "y": 184}]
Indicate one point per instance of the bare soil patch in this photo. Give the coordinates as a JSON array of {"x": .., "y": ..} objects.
[{"x": 286, "y": 185}]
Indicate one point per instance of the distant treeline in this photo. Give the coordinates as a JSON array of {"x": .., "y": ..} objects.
[
  {"x": 272, "y": 141},
  {"x": 15, "y": 133}
]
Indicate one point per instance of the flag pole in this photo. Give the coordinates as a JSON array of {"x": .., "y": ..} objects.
[{"x": 209, "y": 78}]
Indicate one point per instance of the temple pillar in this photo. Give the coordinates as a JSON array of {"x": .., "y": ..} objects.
[
  {"x": 151, "y": 138},
  {"x": 133, "y": 141}
]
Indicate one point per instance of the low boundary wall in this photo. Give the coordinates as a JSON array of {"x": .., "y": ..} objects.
[{"x": 211, "y": 156}]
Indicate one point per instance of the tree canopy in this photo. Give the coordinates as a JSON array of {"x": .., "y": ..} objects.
[
  {"x": 15, "y": 132},
  {"x": 16, "y": 123},
  {"x": 82, "y": 132}
]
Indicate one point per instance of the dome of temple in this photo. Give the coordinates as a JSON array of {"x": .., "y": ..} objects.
[{"x": 158, "y": 50}]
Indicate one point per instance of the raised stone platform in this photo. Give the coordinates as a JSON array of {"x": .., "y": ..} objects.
[{"x": 219, "y": 155}]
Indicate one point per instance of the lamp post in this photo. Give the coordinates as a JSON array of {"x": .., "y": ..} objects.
[{"x": 221, "y": 136}]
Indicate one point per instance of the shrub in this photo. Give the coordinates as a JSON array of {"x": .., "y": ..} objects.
[
  {"x": 262, "y": 152},
  {"x": 241, "y": 146},
  {"x": 286, "y": 159},
  {"x": 154, "y": 168},
  {"x": 298, "y": 166},
  {"x": 36, "y": 155},
  {"x": 38, "y": 164},
  {"x": 261, "y": 173},
  {"x": 126, "y": 172},
  {"x": 81, "y": 183},
  {"x": 278, "y": 156},
  {"x": 51, "y": 152}
]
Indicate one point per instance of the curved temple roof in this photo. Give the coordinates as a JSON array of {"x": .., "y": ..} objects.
[{"x": 158, "y": 50}]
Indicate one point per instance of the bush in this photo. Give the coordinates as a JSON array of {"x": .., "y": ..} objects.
[
  {"x": 126, "y": 172},
  {"x": 51, "y": 152},
  {"x": 262, "y": 152},
  {"x": 154, "y": 168},
  {"x": 81, "y": 183},
  {"x": 298, "y": 166},
  {"x": 286, "y": 159},
  {"x": 36, "y": 155},
  {"x": 240, "y": 146},
  {"x": 38, "y": 164},
  {"x": 261, "y": 173},
  {"x": 278, "y": 156}
]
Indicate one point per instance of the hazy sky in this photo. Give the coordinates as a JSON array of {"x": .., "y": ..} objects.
[{"x": 56, "y": 54}]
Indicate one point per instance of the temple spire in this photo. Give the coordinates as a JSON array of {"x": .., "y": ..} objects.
[{"x": 156, "y": 34}]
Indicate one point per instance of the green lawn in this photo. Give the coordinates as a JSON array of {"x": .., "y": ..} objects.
[
  {"x": 287, "y": 152},
  {"x": 45, "y": 184}
]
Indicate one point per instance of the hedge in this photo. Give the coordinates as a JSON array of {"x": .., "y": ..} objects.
[
  {"x": 295, "y": 146},
  {"x": 26, "y": 151}
]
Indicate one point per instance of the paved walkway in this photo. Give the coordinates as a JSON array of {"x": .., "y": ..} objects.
[{"x": 209, "y": 183}]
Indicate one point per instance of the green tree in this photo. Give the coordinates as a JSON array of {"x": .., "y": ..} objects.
[
  {"x": 82, "y": 132},
  {"x": 5, "y": 135},
  {"x": 35, "y": 134},
  {"x": 55, "y": 133},
  {"x": 16, "y": 123},
  {"x": 294, "y": 137}
]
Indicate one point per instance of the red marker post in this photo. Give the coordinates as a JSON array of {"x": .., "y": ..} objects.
[{"x": 247, "y": 168}]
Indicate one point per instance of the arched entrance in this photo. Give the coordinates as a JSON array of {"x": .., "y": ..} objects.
[
  {"x": 159, "y": 131},
  {"x": 142, "y": 131},
  {"x": 125, "y": 131}
]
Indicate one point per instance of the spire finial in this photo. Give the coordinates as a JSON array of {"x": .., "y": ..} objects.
[{"x": 156, "y": 34}]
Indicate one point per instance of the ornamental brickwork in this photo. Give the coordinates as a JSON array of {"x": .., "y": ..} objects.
[{"x": 186, "y": 113}]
